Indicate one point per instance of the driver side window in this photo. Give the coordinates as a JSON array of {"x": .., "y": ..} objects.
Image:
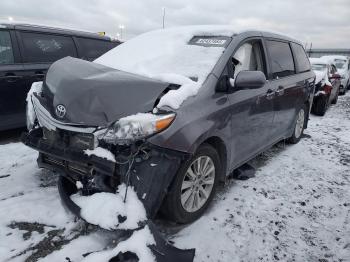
[{"x": 248, "y": 56}]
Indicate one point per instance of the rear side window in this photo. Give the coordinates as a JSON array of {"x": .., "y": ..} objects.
[
  {"x": 301, "y": 58},
  {"x": 46, "y": 47},
  {"x": 91, "y": 49},
  {"x": 282, "y": 63},
  {"x": 6, "y": 53}
]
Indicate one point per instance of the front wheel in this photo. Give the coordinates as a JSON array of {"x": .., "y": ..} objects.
[
  {"x": 193, "y": 187},
  {"x": 299, "y": 125}
]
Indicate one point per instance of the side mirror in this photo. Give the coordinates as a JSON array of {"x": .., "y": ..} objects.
[{"x": 250, "y": 80}]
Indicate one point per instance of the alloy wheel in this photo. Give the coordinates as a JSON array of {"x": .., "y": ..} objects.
[
  {"x": 300, "y": 123},
  {"x": 197, "y": 184}
]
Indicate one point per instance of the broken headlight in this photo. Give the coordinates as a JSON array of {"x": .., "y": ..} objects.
[{"x": 136, "y": 127}]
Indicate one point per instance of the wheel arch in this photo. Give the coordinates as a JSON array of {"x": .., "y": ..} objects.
[{"x": 219, "y": 145}]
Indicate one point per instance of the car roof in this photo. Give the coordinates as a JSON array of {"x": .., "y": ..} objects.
[
  {"x": 333, "y": 57},
  {"x": 323, "y": 61},
  {"x": 49, "y": 29},
  {"x": 271, "y": 34}
]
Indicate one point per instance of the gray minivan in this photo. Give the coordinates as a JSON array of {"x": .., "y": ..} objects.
[{"x": 171, "y": 112}]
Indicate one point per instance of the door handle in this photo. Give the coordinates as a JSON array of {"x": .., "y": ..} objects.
[
  {"x": 280, "y": 91},
  {"x": 11, "y": 77},
  {"x": 270, "y": 94},
  {"x": 39, "y": 75}
]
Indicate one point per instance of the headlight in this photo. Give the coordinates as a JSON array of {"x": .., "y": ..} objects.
[{"x": 136, "y": 127}]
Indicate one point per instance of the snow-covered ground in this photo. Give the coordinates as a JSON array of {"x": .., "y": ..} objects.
[{"x": 297, "y": 208}]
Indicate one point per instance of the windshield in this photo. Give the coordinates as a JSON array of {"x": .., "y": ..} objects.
[
  {"x": 339, "y": 64},
  {"x": 170, "y": 54},
  {"x": 319, "y": 67}
]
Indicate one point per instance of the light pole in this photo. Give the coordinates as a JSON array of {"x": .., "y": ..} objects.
[
  {"x": 121, "y": 27},
  {"x": 163, "y": 17}
]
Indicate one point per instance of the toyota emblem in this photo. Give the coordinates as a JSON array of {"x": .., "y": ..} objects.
[{"x": 61, "y": 111}]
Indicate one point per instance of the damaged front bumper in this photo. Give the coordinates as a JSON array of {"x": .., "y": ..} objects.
[{"x": 150, "y": 173}]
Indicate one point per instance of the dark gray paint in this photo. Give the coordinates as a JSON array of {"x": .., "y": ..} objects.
[{"x": 244, "y": 122}]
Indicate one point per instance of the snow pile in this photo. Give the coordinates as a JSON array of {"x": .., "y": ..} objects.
[
  {"x": 36, "y": 88},
  {"x": 167, "y": 55},
  {"x": 138, "y": 243},
  {"x": 109, "y": 211},
  {"x": 100, "y": 152},
  {"x": 174, "y": 98}
]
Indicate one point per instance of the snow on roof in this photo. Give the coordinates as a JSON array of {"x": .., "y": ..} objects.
[
  {"x": 167, "y": 55},
  {"x": 322, "y": 61},
  {"x": 334, "y": 57}
]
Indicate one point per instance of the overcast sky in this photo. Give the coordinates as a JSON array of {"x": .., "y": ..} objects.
[{"x": 325, "y": 23}]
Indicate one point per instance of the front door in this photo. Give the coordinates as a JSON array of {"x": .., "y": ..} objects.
[
  {"x": 252, "y": 109},
  {"x": 12, "y": 82}
]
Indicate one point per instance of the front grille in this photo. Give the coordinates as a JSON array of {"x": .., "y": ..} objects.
[
  {"x": 84, "y": 170},
  {"x": 53, "y": 161},
  {"x": 74, "y": 140}
]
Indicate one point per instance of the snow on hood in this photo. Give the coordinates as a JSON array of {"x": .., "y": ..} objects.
[
  {"x": 138, "y": 243},
  {"x": 320, "y": 75},
  {"x": 109, "y": 211},
  {"x": 167, "y": 55}
]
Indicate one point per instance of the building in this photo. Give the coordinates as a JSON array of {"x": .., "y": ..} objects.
[{"x": 318, "y": 52}]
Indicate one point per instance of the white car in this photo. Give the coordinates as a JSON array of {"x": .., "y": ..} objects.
[{"x": 343, "y": 67}]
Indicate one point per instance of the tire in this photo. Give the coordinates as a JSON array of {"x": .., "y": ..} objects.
[
  {"x": 299, "y": 125},
  {"x": 173, "y": 207},
  {"x": 335, "y": 100},
  {"x": 321, "y": 105}
]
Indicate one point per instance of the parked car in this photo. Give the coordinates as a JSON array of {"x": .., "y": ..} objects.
[
  {"x": 170, "y": 112},
  {"x": 327, "y": 85},
  {"x": 27, "y": 51},
  {"x": 342, "y": 63}
]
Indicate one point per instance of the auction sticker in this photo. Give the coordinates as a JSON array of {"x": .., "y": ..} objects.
[{"x": 210, "y": 41}]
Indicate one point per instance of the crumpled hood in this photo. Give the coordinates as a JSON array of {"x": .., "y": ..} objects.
[{"x": 96, "y": 95}]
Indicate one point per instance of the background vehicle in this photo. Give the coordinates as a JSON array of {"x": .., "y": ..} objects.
[
  {"x": 342, "y": 63},
  {"x": 183, "y": 150},
  {"x": 326, "y": 85},
  {"x": 27, "y": 51}
]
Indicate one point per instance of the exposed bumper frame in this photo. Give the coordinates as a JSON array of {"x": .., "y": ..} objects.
[{"x": 150, "y": 177}]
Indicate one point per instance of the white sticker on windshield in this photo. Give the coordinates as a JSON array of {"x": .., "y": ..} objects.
[{"x": 211, "y": 41}]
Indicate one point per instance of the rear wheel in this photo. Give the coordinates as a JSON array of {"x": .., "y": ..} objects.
[
  {"x": 299, "y": 125},
  {"x": 193, "y": 187}
]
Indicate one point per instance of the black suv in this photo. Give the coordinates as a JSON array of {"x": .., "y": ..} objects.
[
  {"x": 170, "y": 112},
  {"x": 27, "y": 51}
]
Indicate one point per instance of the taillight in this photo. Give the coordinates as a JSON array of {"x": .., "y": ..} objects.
[{"x": 327, "y": 89}]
